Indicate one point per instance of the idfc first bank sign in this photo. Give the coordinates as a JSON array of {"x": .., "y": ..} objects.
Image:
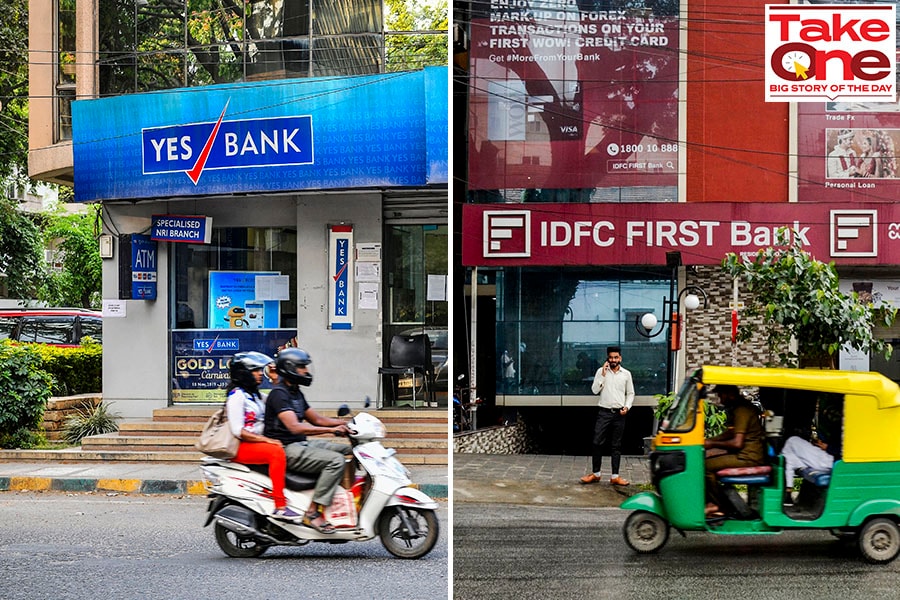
[{"x": 258, "y": 137}]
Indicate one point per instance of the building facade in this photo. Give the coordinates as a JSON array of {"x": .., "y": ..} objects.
[
  {"x": 616, "y": 152},
  {"x": 261, "y": 186}
]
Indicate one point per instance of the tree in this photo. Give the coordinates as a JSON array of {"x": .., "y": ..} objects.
[
  {"x": 406, "y": 47},
  {"x": 77, "y": 249},
  {"x": 21, "y": 252},
  {"x": 795, "y": 298},
  {"x": 14, "y": 89}
]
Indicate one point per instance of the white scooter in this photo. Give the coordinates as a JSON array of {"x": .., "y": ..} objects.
[{"x": 380, "y": 503}]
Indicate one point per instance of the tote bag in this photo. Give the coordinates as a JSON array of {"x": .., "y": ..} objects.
[{"x": 216, "y": 438}]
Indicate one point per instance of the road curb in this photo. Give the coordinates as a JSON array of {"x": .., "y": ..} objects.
[{"x": 139, "y": 486}]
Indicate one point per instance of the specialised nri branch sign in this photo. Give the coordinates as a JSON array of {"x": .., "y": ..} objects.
[{"x": 299, "y": 134}]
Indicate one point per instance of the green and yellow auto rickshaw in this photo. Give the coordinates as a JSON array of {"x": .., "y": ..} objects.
[{"x": 859, "y": 497}]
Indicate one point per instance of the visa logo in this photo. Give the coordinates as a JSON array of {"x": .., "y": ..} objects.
[{"x": 199, "y": 147}]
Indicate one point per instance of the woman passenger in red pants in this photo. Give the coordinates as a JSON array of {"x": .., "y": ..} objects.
[{"x": 246, "y": 412}]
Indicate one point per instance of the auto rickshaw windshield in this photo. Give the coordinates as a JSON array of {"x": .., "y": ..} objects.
[{"x": 682, "y": 414}]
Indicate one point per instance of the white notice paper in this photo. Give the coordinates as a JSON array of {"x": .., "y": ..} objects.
[
  {"x": 368, "y": 296},
  {"x": 273, "y": 287},
  {"x": 437, "y": 288}
]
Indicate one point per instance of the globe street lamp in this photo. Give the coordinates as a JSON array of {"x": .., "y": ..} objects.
[{"x": 690, "y": 297}]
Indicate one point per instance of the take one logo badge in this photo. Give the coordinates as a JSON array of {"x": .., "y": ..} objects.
[{"x": 819, "y": 53}]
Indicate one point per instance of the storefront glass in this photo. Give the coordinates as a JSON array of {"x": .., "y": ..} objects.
[
  {"x": 235, "y": 294},
  {"x": 416, "y": 292},
  {"x": 554, "y": 325}
]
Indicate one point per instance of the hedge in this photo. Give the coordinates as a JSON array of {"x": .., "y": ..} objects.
[{"x": 30, "y": 374}]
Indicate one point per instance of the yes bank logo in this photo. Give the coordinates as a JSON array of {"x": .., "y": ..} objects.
[
  {"x": 223, "y": 144},
  {"x": 817, "y": 53}
]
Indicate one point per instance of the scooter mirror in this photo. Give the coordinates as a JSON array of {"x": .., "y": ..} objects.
[{"x": 343, "y": 410}]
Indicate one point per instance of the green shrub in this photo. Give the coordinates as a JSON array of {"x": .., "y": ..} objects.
[
  {"x": 74, "y": 370},
  {"x": 714, "y": 417},
  {"x": 88, "y": 420},
  {"x": 24, "y": 390}
]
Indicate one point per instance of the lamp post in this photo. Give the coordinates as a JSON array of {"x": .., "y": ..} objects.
[{"x": 646, "y": 324}]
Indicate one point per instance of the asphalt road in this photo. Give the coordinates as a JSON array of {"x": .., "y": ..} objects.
[
  {"x": 529, "y": 552},
  {"x": 88, "y": 546}
]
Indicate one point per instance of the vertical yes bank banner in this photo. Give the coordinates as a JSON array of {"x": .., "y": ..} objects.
[
  {"x": 831, "y": 52},
  {"x": 315, "y": 133}
]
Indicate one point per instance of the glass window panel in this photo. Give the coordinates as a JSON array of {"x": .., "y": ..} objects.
[
  {"x": 331, "y": 17},
  {"x": 65, "y": 41},
  {"x": 48, "y": 330},
  {"x": 557, "y": 324},
  {"x": 231, "y": 249},
  {"x": 65, "y": 97},
  {"x": 414, "y": 51},
  {"x": 7, "y": 325},
  {"x": 93, "y": 328},
  {"x": 346, "y": 55},
  {"x": 207, "y": 65}
]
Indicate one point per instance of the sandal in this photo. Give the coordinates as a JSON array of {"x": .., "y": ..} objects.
[{"x": 317, "y": 522}]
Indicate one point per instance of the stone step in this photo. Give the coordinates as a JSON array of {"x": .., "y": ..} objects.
[
  {"x": 162, "y": 443},
  {"x": 146, "y": 427},
  {"x": 202, "y": 413}
]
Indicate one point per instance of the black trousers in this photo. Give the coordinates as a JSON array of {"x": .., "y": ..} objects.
[{"x": 610, "y": 428}]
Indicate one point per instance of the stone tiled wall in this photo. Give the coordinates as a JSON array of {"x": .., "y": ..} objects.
[
  {"x": 494, "y": 440},
  {"x": 708, "y": 339}
]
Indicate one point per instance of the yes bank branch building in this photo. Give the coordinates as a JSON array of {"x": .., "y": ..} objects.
[{"x": 259, "y": 216}]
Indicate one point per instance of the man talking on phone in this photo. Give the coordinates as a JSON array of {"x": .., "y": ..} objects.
[{"x": 613, "y": 382}]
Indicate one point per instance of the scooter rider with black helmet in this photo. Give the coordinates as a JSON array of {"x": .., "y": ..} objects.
[{"x": 290, "y": 419}]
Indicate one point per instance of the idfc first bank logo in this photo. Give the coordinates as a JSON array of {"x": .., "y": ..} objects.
[
  {"x": 828, "y": 52},
  {"x": 223, "y": 144}
]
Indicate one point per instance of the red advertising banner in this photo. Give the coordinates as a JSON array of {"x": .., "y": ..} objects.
[
  {"x": 543, "y": 234},
  {"x": 567, "y": 96}
]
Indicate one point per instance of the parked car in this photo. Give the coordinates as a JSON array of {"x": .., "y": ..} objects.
[{"x": 56, "y": 326}]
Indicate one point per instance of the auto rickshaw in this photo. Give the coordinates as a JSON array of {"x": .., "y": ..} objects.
[{"x": 858, "y": 499}]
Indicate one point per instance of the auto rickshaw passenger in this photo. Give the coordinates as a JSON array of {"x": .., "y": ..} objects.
[{"x": 741, "y": 445}]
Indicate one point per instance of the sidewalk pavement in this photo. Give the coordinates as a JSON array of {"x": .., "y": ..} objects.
[
  {"x": 539, "y": 479},
  {"x": 183, "y": 478}
]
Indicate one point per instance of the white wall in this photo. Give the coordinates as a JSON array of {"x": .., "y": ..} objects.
[
  {"x": 135, "y": 348},
  {"x": 345, "y": 362}
]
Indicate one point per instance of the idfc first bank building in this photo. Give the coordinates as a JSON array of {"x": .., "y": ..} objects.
[{"x": 261, "y": 216}]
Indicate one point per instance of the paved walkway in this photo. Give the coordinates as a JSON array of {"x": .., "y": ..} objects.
[
  {"x": 151, "y": 477},
  {"x": 542, "y": 479}
]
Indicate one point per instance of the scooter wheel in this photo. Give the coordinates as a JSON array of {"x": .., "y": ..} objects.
[
  {"x": 645, "y": 532},
  {"x": 236, "y": 546},
  {"x": 879, "y": 540},
  {"x": 399, "y": 540}
]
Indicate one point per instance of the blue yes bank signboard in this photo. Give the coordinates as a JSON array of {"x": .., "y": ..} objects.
[
  {"x": 301, "y": 134},
  {"x": 193, "y": 149}
]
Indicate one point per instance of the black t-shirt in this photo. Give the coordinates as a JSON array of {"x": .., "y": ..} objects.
[{"x": 279, "y": 400}]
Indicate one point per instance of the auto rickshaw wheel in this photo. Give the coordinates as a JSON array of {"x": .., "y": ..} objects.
[
  {"x": 645, "y": 532},
  {"x": 879, "y": 540}
]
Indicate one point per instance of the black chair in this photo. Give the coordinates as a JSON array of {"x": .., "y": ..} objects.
[{"x": 409, "y": 356}]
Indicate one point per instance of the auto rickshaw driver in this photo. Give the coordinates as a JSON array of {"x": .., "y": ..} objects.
[{"x": 741, "y": 445}]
